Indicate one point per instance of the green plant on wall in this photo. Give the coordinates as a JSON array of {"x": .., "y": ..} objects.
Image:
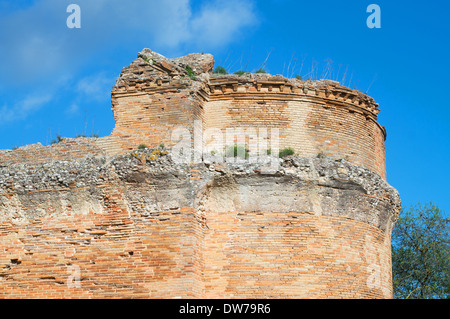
[
  {"x": 237, "y": 151},
  {"x": 58, "y": 139},
  {"x": 286, "y": 152},
  {"x": 321, "y": 155},
  {"x": 151, "y": 61},
  {"x": 190, "y": 73}
]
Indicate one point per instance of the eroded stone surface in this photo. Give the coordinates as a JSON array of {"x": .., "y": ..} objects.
[
  {"x": 311, "y": 228},
  {"x": 138, "y": 224},
  {"x": 316, "y": 185}
]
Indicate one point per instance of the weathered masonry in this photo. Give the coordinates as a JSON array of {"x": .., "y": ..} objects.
[{"x": 97, "y": 218}]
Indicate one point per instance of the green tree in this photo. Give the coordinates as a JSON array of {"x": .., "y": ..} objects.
[{"x": 421, "y": 254}]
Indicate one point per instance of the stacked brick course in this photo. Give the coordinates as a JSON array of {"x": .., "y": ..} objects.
[
  {"x": 154, "y": 96},
  {"x": 314, "y": 228},
  {"x": 85, "y": 218},
  {"x": 313, "y": 117}
]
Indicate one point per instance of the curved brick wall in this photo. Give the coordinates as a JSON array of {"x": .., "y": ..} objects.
[
  {"x": 295, "y": 255},
  {"x": 153, "y": 97},
  {"x": 314, "y": 228},
  {"x": 312, "y": 117},
  {"x": 240, "y": 255},
  {"x": 136, "y": 225}
]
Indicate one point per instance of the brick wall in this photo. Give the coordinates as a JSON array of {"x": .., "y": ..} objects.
[
  {"x": 151, "y": 119},
  {"x": 311, "y": 117},
  {"x": 115, "y": 254},
  {"x": 239, "y": 255},
  {"x": 294, "y": 255},
  {"x": 310, "y": 122},
  {"x": 151, "y": 100},
  {"x": 156, "y": 231},
  {"x": 134, "y": 230},
  {"x": 68, "y": 149}
]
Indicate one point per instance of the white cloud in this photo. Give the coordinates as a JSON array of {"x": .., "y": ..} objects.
[
  {"x": 36, "y": 43},
  {"x": 24, "y": 108},
  {"x": 73, "y": 109},
  {"x": 38, "y": 50},
  {"x": 220, "y": 21},
  {"x": 97, "y": 86}
]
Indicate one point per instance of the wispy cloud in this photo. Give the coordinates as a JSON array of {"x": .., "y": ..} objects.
[
  {"x": 23, "y": 108},
  {"x": 219, "y": 22},
  {"x": 35, "y": 42},
  {"x": 37, "y": 50},
  {"x": 96, "y": 87},
  {"x": 73, "y": 109}
]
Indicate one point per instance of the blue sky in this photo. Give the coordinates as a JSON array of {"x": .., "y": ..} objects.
[{"x": 56, "y": 80}]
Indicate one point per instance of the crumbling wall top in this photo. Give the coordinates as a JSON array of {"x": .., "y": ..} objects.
[
  {"x": 154, "y": 67},
  {"x": 379, "y": 203}
]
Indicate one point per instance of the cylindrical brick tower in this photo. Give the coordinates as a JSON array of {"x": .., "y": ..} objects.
[
  {"x": 137, "y": 223},
  {"x": 326, "y": 234}
]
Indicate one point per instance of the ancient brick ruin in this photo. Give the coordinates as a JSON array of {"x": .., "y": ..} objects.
[{"x": 100, "y": 218}]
